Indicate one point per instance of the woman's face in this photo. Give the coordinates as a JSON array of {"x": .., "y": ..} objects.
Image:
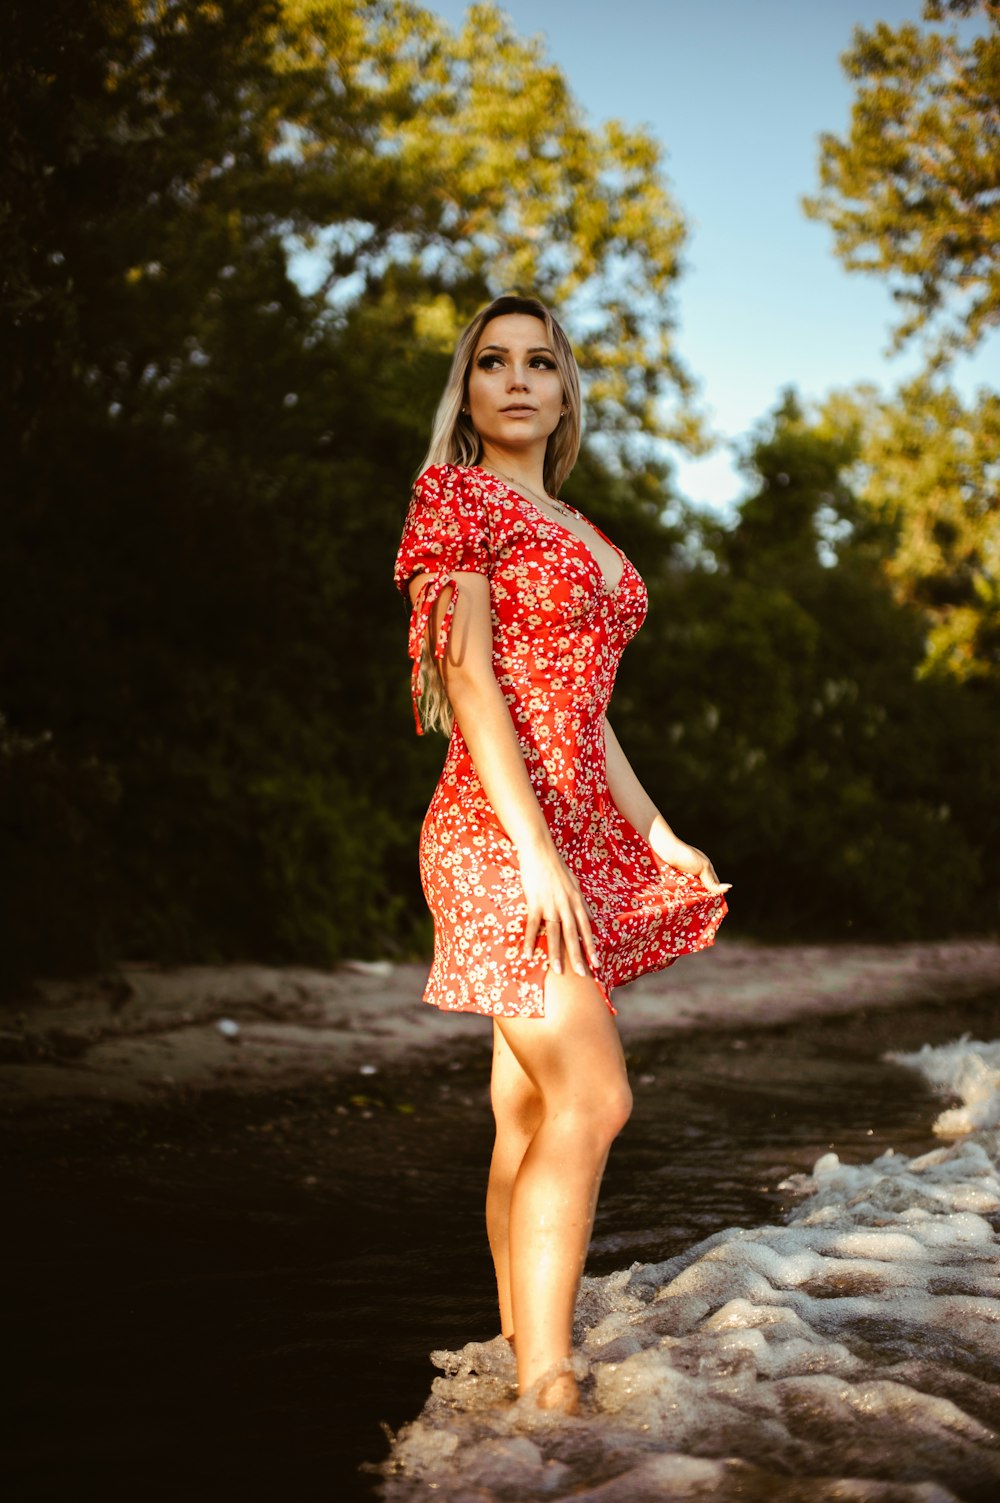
[{"x": 515, "y": 390}]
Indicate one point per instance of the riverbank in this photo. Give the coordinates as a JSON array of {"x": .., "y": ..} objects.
[
  {"x": 149, "y": 1032},
  {"x": 232, "y": 1248}
]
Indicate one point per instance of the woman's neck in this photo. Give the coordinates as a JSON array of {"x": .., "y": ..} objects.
[{"x": 524, "y": 465}]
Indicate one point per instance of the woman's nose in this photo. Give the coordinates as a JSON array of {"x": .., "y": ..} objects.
[{"x": 517, "y": 379}]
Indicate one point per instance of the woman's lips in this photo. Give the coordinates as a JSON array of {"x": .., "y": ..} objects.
[{"x": 518, "y": 411}]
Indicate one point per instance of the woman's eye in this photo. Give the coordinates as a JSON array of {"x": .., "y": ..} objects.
[{"x": 537, "y": 362}]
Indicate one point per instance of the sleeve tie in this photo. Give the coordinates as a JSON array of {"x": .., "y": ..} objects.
[{"x": 427, "y": 597}]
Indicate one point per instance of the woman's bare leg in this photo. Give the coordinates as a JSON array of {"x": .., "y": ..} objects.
[
  {"x": 573, "y": 1058},
  {"x": 517, "y": 1108}
]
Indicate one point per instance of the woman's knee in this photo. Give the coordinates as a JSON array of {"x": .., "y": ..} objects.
[
  {"x": 617, "y": 1107},
  {"x": 598, "y": 1114}
]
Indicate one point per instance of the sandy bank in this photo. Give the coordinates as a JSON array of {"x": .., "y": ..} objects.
[{"x": 150, "y": 1030}]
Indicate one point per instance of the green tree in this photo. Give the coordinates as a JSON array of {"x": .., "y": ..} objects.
[
  {"x": 508, "y": 187},
  {"x": 207, "y": 466},
  {"x": 840, "y": 792},
  {"x": 930, "y": 480},
  {"x": 913, "y": 191}
]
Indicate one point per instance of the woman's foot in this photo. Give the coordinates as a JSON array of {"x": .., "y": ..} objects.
[{"x": 561, "y": 1393}]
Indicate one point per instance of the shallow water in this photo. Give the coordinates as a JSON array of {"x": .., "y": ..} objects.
[{"x": 224, "y": 1297}]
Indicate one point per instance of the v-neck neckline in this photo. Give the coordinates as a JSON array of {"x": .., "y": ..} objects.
[{"x": 609, "y": 590}]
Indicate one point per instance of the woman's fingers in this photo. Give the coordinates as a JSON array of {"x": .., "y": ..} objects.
[
  {"x": 585, "y": 930},
  {"x": 576, "y": 940},
  {"x": 554, "y": 936},
  {"x": 555, "y": 906},
  {"x": 538, "y": 922},
  {"x": 709, "y": 879},
  {"x": 568, "y": 935},
  {"x": 532, "y": 925}
]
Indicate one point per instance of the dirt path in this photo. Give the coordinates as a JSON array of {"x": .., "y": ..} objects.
[{"x": 149, "y": 1031}]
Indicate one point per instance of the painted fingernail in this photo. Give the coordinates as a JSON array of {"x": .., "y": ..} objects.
[{"x": 580, "y": 968}]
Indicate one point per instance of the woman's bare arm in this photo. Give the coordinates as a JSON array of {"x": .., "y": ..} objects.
[
  {"x": 638, "y": 808},
  {"x": 551, "y": 891}
]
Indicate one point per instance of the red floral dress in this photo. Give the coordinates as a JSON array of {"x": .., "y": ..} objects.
[{"x": 558, "y": 636}]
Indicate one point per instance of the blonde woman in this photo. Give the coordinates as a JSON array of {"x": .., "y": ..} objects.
[{"x": 551, "y": 875}]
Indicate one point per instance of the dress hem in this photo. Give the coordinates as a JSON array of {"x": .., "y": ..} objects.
[
  {"x": 482, "y": 1012},
  {"x": 703, "y": 942}
]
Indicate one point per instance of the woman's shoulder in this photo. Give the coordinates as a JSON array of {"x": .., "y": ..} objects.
[
  {"x": 455, "y": 484},
  {"x": 447, "y": 525},
  {"x": 450, "y": 476}
]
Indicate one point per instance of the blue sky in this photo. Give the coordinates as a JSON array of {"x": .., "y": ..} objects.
[{"x": 738, "y": 91}]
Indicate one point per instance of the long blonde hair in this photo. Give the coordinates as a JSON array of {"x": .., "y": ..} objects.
[{"x": 455, "y": 441}]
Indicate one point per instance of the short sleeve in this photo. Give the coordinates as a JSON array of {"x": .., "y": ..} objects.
[
  {"x": 446, "y": 528},
  {"x": 446, "y": 532}
]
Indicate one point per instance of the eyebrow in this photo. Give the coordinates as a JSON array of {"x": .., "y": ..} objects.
[{"x": 503, "y": 349}]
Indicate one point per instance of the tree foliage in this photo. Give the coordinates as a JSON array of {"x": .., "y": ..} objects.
[
  {"x": 930, "y": 479},
  {"x": 842, "y": 793},
  {"x": 208, "y": 461},
  {"x": 206, "y": 748},
  {"x": 913, "y": 191}
]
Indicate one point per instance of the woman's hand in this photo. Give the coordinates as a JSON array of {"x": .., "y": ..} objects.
[
  {"x": 555, "y": 904},
  {"x": 688, "y": 858}
]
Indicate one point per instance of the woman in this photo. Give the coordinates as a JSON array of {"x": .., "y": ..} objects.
[{"x": 551, "y": 875}]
